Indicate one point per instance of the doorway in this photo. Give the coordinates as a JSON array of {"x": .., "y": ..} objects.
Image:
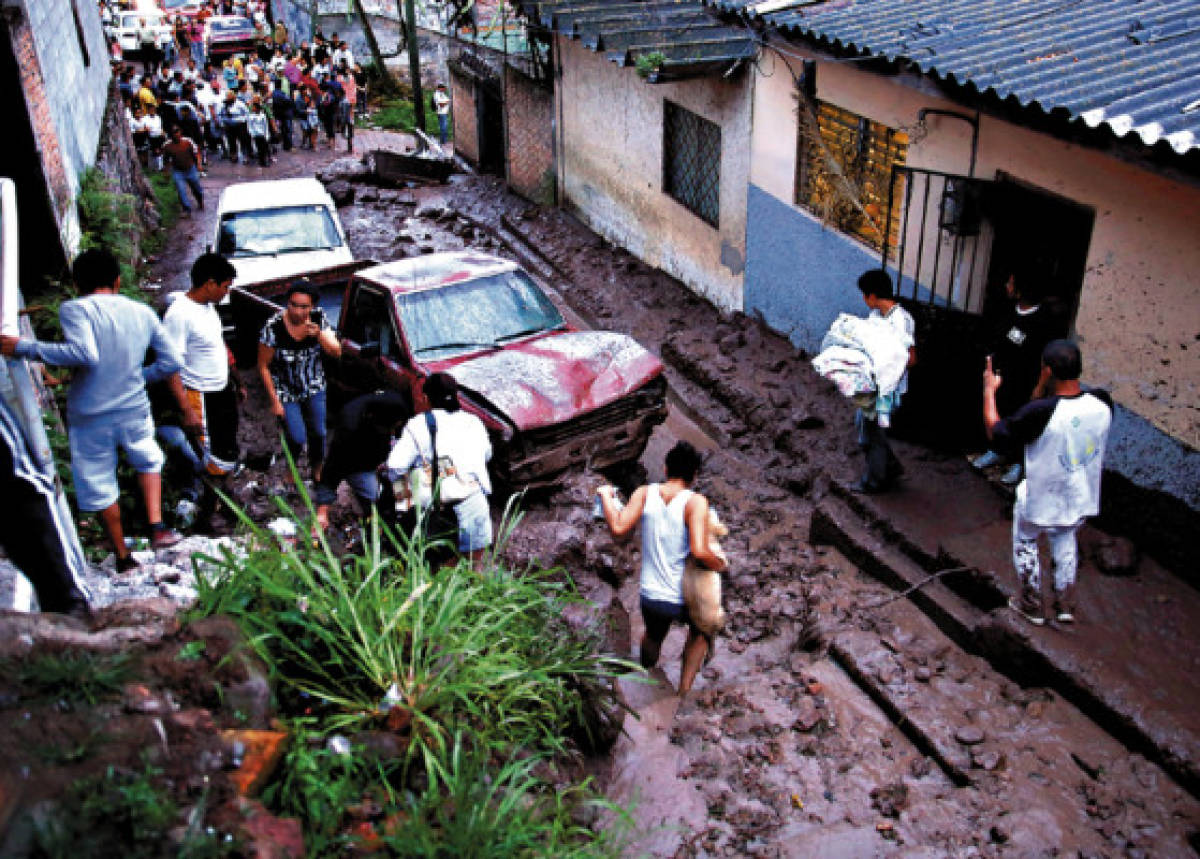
[{"x": 1037, "y": 231}]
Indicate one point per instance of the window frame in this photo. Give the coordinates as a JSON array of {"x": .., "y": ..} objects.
[{"x": 670, "y": 147}]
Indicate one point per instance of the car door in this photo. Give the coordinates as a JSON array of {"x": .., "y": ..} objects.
[{"x": 373, "y": 355}]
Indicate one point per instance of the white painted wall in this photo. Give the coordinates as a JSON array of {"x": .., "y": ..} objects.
[{"x": 611, "y": 162}]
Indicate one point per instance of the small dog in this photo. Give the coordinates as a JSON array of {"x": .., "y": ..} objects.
[{"x": 702, "y": 586}]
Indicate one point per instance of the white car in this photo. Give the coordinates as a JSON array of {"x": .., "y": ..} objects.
[
  {"x": 277, "y": 228},
  {"x": 126, "y": 27}
]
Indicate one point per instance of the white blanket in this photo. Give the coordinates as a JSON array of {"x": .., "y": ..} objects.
[{"x": 862, "y": 355}]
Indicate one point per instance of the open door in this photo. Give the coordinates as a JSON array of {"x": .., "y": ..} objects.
[{"x": 955, "y": 241}]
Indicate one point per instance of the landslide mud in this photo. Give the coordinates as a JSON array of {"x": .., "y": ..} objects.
[{"x": 783, "y": 749}]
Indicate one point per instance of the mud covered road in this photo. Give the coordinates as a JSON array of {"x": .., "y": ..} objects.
[{"x": 834, "y": 719}]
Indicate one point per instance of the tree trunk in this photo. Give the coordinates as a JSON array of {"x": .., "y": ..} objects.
[
  {"x": 414, "y": 64},
  {"x": 387, "y": 83}
]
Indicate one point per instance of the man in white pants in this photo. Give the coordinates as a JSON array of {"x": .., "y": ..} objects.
[{"x": 1063, "y": 430}]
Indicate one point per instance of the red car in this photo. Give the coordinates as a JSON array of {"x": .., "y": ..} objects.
[
  {"x": 226, "y": 35},
  {"x": 551, "y": 397}
]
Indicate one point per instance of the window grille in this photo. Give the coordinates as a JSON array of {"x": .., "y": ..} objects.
[
  {"x": 865, "y": 152},
  {"x": 692, "y": 162}
]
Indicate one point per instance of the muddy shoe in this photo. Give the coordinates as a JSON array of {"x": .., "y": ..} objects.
[
  {"x": 1029, "y": 606},
  {"x": 164, "y": 538},
  {"x": 1064, "y": 605}
]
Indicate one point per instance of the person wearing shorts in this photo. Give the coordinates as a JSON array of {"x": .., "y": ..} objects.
[
  {"x": 106, "y": 339},
  {"x": 674, "y": 522}
]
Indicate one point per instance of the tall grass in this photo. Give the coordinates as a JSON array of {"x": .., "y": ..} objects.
[{"x": 476, "y": 673}]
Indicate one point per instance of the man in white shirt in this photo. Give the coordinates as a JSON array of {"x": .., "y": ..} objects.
[
  {"x": 194, "y": 327},
  {"x": 1063, "y": 431},
  {"x": 463, "y": 450},
  {"x": 883, "y": 468},
  {"x": 441, "y": 106}
]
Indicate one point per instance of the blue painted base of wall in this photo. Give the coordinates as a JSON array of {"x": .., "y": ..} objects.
[{"x": 799, "y": 274}]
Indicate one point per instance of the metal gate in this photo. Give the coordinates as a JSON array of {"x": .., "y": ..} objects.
[{"x": 940, "y": 255}]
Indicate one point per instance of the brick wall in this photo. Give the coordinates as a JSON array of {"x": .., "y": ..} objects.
[
  {"x": 462, "y": 109},
  {"x": 65, "y": 76},
  {"x": 529, "y": 109}
]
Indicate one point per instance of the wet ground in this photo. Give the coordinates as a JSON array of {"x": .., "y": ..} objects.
[{"x": 834, "y": 720}]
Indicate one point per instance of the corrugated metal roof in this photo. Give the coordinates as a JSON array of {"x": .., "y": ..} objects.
[
  {"x": 686, "y": 37},
  {"x": 1132, "y": 65}
]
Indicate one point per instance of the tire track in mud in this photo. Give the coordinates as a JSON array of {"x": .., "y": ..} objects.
[{"x": 822, "y": 726}]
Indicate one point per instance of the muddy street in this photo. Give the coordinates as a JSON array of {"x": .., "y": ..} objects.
[{"x": 835, "y": 719}]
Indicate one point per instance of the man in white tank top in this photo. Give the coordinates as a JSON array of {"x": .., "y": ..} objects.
[
  {"x": 1063, "y": 431},
  {"x": 674, "y": 523}
]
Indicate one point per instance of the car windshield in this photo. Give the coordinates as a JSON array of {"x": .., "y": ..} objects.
[
  {"x": 483, "y": 313},
  {"x": 276, "y": 231}
]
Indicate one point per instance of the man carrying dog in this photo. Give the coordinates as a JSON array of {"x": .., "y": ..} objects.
[
  {"x": 674, "y": 522},
  {"x": 1063, "y": 431}
]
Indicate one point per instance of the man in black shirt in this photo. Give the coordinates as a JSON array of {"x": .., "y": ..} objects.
[
  {"x": 1016, "y": 350},
  {"x": 361, "y": 442}
]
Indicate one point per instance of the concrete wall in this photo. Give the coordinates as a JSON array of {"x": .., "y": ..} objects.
[
  {"x": 1139, "y": 313},
  {"x": 529, "y": 120},
  {"x": 65, "y": 96},
  {"x": 463, "y": 115},
  {"x": 611, "y": 168}
]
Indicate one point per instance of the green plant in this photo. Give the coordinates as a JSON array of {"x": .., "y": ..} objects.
[
  {"x": 77, "y": 676},
  {"x": 166, "y": 197},
  {"x": 651, "y": 63},
  {"x": 380, "y": 641},
  {"x": 398, "y": 114},
  {"x": 192, "y": 651},
  {"x": 472, "y": 808},
  {"x": 109, "y": 220},
  {"x": 117, "y": 807}
]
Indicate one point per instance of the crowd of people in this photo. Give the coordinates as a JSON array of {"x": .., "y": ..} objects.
[{"x": 243, "y": 108}]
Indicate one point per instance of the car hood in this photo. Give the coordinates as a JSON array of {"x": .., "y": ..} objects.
[
  {"x": 552, "y": 379},
  {"x": 255, "y": 269}
]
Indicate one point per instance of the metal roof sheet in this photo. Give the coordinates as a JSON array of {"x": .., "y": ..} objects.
[
  {"x": 1131, "y": 65},
  {"x": 686, "y": 37}
]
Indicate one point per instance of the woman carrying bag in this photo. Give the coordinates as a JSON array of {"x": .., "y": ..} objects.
[{"x": 459, "y": 486}]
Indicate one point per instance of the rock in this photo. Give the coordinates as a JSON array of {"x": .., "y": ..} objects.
[
  {"x": 986, "y": 759},
  {"x": 969, "y": 735},
  {"x": 193, "y": 721},
  {"x": 341, "y": 192},
  {"x": 922, "y": 674},
  {"x": 251, "y": 699},
  {"x": 890, "y": 799},
  {"x": 263, "y": 835},
  {"x": 261, "y": 753},
  {"x": 139, "y": 699},
  {"x": 1116, "y": 556},
  {"x": 807, "y": 715},
  {"x": 369, "y": 194},
  {"x": 382, "y": 745},
  {"x": 998, "y": 835},
  {"x": 344, "y": 169},
  {"x": 920, "y": 767}
]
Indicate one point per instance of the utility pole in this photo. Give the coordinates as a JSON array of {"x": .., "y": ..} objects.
[{"x": 414, "y": 63}]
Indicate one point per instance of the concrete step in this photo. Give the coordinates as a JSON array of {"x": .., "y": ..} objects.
[{"x": 1154, "y": 717}]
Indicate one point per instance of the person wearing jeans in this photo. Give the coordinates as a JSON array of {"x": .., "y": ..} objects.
[
  {"x": 183, "y": 157},
  {"x": 291, "y": 367}
]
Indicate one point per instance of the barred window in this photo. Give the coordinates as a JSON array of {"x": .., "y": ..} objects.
[
  {"x": 865, "y": 151},
  {"x": 692, "y": 162}
]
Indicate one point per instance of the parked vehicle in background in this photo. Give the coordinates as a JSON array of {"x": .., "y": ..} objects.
[
  {"x": 278, "y": 228},
  {"x": 183, "y": 8},
  {"x": 551, "y": 397},
  {"x": 126, "y": 26},
  {"x": 226, "y": 35}
]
